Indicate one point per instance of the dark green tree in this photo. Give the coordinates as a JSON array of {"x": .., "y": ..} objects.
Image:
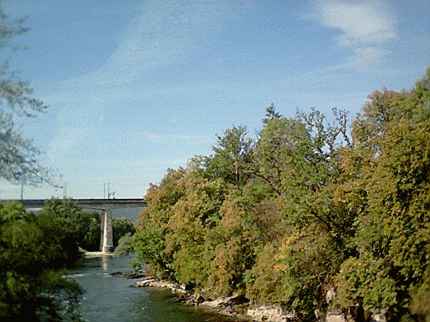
[
  {"x": 31, "y": 286},
  {"x": 121, "y": 227}
]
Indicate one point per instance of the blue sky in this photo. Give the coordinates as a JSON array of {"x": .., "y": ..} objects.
[{"x": 135, "y": 87}]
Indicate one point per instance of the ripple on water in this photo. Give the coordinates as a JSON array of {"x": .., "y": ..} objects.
[
  {"x": 114, "y": 300},
  {"x": 75, "y": 275}
]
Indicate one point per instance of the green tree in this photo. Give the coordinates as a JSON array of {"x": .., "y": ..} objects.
[
  {"x": 149, "y": 242},
  {"x": 31, "y": 287},
  {"x": 390, "y": 270},
  {"x": 91, "y": 239},
  {"x": 279, "y": 140},
  {"x": 232, "y": 155},
  {"x": 307, "y": 208},
  {"x": 71, "y": 227},
  {"x": 271, "y": 114},
  {"x": 121, "y": 227}
]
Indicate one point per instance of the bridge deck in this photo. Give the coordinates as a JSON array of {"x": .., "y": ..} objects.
[{"x": 123, "y": 203}]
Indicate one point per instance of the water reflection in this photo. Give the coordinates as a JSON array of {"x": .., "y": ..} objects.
[{"x": 105, "y": 263}]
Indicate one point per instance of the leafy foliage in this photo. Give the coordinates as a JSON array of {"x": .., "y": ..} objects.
[
  {"x": 78, "y": 228},
  {"x": 393, "y": 231},
  {"x": 313, "y": 204},
  {"x": 125, "y": 245},
  {"x": 33, "y": 250},
  {"x": 120, "y": 228}
]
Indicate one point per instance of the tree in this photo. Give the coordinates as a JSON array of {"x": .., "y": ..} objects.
[
  {"x": 19, "y": 158},
  {"x": 271, "y": 114},
  {"x": 279, "y": 140},
  {"x": 390, "y": 271},
  {"x": 305, "y": 209},
  {"x": 31, "y": 287},
  {"x": 71, "y": 228},
  {"x": 121, "y": 227},
  {"x": 232, "y": 154}
]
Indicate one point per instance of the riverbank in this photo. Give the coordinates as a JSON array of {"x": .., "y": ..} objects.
[
  {"x": 227, "y": 306},
  {"x": 239, "y": 308},
  {"x": 235, "y": 306}
]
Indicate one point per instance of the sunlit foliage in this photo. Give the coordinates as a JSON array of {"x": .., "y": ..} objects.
[{"x": 313, "y": 203}]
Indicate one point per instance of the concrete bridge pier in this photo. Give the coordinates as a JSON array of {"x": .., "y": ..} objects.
[
  {"x": 106, "y": 240},
  {"x": 103, "y": 205}
]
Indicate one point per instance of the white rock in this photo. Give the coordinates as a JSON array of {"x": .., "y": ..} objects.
[
  {"x": 273, "y": 313},
  {"x": 335, "y": 317},
  {"x": 379, "y": 316},
  {"x": 329, "y": 296}
]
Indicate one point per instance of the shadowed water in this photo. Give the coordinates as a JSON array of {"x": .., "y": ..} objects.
[{"x": 111, "y": 299}]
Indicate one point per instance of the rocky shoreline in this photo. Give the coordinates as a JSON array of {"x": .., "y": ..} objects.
[
  {"x": 233, "y": 306},
  {"x": 236, "y": 306}
]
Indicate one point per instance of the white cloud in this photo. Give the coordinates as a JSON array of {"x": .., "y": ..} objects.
[
  {"x": 366, "y": 56},
  {"x": 365, "y": 27}
]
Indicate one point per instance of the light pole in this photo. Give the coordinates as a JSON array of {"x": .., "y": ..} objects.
[
  {"x": 65, "y": 190},
  {"x": 20, "y": 176},
  {"x": 22, "y": 189}
]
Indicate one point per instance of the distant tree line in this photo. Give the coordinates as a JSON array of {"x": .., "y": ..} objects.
[{"x": 313, "y": 204}]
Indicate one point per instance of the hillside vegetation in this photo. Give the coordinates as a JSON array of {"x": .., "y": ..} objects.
[{"x": 314, "y": 203}]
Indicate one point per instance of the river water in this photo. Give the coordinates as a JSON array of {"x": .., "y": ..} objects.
[{"x": 112, "y": 299}]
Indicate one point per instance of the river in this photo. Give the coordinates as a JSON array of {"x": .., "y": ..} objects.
[{"x": 112, "y": 299}]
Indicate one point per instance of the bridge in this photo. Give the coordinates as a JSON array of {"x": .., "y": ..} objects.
[
  {"x": 94, "y": 202},
  {"x": 103, "y": 205}
]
